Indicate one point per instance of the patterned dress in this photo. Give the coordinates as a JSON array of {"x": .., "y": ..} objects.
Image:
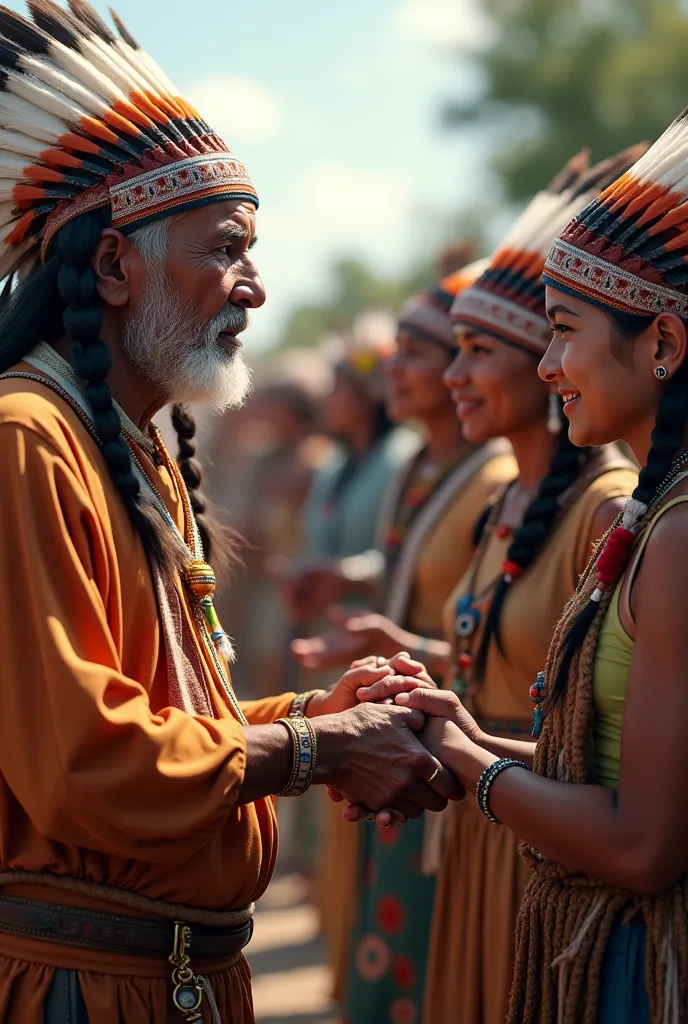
[{"x": 390, "y": 940}]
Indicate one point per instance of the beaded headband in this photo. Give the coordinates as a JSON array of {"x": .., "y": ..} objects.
[
  {"x": 427, "y": 314},
  {"x": 89, "y": 120},
  {"x": 508, "y": 301}
]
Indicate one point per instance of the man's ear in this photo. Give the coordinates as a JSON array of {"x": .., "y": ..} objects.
[{"x": 114, "y": 262}]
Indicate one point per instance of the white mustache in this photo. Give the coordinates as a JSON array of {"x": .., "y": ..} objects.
[{"x": 230, "y": 318}]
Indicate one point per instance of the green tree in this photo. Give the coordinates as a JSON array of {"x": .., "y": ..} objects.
[{"x": 558, "y": 75}]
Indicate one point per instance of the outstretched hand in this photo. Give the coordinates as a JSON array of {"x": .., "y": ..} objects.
[{"x": 355, "y": 635}]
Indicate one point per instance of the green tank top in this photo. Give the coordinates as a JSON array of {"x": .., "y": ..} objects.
[{"x": 611, "y": 669}]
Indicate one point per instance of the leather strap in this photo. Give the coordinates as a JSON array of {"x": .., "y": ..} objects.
[{"x": 114, "y": 933}]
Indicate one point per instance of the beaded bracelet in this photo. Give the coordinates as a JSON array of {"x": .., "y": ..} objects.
[
  {"x": 301, "y": 701},
  {"x": 486, "y": 781},
  {"x": 305, "y": 746}
]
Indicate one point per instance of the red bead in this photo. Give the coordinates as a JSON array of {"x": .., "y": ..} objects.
[
  {"x": 614, "y": 556},
  {"x": 502, "y": 532},
  {"x": 465, "y": 661},
  {"x": 535, "y": 694},
  {"x": 512, "y": 569}
]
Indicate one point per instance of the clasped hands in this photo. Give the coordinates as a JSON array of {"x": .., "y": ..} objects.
[{"x": 391, "y": 725}]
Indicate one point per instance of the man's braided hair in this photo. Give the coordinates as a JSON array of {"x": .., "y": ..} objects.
[{"x": 59, "y": 298}]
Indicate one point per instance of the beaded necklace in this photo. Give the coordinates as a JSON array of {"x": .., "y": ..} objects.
[
  {"x": 471, "y": 607},
  {"x": 421, "y": 483},
  {"x": 198, "y": 576}
]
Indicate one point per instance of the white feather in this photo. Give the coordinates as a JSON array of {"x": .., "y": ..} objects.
[
  {"x": 22, "y": 116},
  {"x": 11, "y": 255},
  {"x": 45, "y": 98},
  {"x": 7, "y": 214},
  {"x": 65, "y": 84},
  {"x": 15, "y": 142},
  {"x": 83, "y": 71},
  {"x": 12, "y": 166}
]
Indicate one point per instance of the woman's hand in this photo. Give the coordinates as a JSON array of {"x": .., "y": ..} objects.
[
  {"x": 370, "y": 680},
  {"x": 443, "y": 704},
  {"x": 450, "y": 733}
]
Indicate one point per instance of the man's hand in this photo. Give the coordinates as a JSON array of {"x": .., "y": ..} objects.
[{"x": 372, "y": 757}]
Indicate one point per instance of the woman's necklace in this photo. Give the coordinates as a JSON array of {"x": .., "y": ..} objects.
[
  {"x": 471, "y": 607},
  {"x": 423, "y": 480}
]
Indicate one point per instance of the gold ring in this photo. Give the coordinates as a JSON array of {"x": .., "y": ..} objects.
[
  {"x": 436, "y": 772},
  {"x": 370, "y": 816}
]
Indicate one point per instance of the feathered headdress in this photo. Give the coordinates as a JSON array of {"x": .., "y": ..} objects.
[
  {"x": 427, "y": 314},
  {"x": 508, "y": 301},
  {"x": 88, "y": 119},
  {"x": 628, "y": 249}
]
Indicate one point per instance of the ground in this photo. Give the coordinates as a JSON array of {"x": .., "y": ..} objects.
[{"x": 290, "y": 981}]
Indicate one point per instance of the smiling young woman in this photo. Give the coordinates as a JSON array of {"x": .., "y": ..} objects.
[
  {"x": 603, "y": 928},
  {"x": 534, "y": 541}
]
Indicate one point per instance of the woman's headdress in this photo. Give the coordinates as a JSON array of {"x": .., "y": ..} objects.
[
  {"x": 87, "y": 120},
  {"x": 508, "y": 301},
  {"x": 627, "y": 251},
  {"x": 427, "y": 314}
]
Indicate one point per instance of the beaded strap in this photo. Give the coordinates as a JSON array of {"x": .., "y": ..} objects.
[
  {"x": 301, "y": 702},
  {"x": 486, "y": 781},
  {"x": 305, "y": 755}
]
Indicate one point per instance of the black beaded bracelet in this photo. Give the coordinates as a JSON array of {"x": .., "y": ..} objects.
[{"x": 486, "y": 781}]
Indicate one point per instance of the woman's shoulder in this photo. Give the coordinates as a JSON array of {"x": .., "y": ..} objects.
[{"x": 606, "y": 484}]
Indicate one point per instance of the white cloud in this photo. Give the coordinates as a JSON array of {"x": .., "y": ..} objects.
[
  {"x": 237, "y": 108},
  {"x": 348, "y": 201},
  {"x": 442, "y": 23}
]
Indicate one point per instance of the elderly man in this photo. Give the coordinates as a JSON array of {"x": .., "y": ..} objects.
[{"x": 136, "y": 819}]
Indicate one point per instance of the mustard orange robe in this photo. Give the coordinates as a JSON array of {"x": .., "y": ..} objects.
[{"x": 100, "y": 777}]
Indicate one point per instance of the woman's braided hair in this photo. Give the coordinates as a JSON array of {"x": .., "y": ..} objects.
[
  {"x": 565, "y": 920},
  {"x": 566, "y": 466}
]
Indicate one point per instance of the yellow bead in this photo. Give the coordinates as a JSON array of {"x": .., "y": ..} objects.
[{"x": 200, "y": 578}]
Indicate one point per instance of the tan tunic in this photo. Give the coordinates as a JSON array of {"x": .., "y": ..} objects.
[
  {"x": 100, "y": 777},
  {"x": 481, "y": 876}
]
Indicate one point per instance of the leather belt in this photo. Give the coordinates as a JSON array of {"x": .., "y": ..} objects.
[{"x": 112, "y": 933}]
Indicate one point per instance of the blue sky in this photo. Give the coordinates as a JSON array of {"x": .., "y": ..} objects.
[{"x": 334, "y": 108}]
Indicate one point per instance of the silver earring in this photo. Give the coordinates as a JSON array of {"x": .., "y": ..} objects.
[
  {"x": 554, "y": 413},
  {"x": 661, "y": 373}
]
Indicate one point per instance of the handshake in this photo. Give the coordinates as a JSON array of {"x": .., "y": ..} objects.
[{"x": 380, "y": 733}]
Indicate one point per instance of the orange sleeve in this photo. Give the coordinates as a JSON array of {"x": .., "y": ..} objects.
[
  {"x": 267, "y": 710},
  {"x": 80, "y": 748}
]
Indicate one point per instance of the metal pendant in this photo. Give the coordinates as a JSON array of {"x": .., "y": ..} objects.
[{"x": 188, "y": 998}]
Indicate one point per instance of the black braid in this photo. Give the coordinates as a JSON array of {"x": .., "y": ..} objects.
[
  {"x": 481, "y": 523},
  {"x": 667, "y": 440},
  {"x": 565, "y": 467},
  {"x": 220, "y": 543},
  {"x": 61, "y": 297}
]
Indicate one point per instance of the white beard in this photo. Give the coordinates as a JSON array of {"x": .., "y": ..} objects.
[{"x": 179, "y": 353}]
